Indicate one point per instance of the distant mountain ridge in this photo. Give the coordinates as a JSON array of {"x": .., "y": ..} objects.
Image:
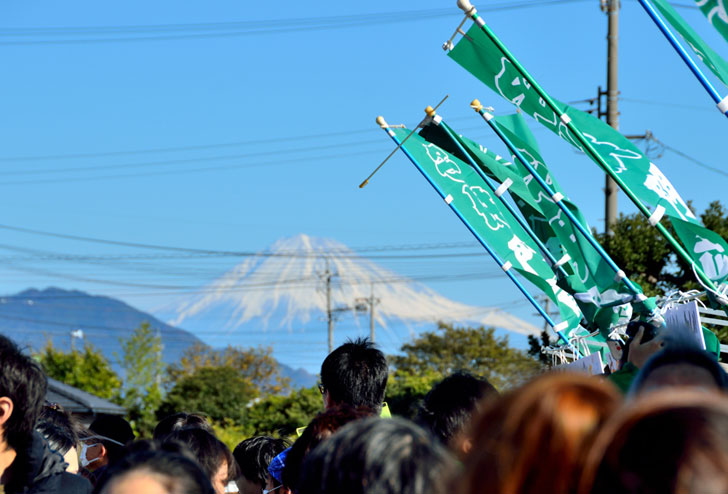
[{"x": 33, "y": 316}]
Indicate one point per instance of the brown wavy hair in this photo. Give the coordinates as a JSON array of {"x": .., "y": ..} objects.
[
  {"x": 671, "y": 441},
  {"x": 533, "y": 439}
]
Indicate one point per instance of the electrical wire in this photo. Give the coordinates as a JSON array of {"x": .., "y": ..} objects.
[{"x": 246, "y": 28}]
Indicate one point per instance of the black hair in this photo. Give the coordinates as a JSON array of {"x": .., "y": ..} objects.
[
  {"x": 23, "y": 381},
  {"x": 449, "y": 405},
  {"x": 374, "y": 455},
  {"x": 58, "y": 427},
  {"x": 253, "y": 456},
  {"x": 320, "y": 428},
  {"x": 355, "y": 374},
  {"x": 178, "y": 473},
  {"x": 209, "y": 451},
  {"x": 113, "y": 432},
  {"x": 59, "y": 440},
  {"x": 181, "y": 420},
  {"x": 682, "y": 353}
]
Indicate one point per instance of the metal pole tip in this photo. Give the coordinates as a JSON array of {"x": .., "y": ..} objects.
[
  {"x": 430, "y": 111},
  {"x": 476, "y": 105},
  {"x": 361, "y": 185},
  {"x": 381, "y": 122},
  {"x": 465, "y": 6}
]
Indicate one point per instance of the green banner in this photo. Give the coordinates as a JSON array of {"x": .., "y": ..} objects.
[
  {"x": 591, "y": 281},
  {"x": 482, "y": 58},
  {"x": 710, "y": 58},
  {"x": 716, "y": 13},
  {"x": 706, "y": 247},
  {"x": 472, "y": 198},
  {"x": 477, "y": 54}
]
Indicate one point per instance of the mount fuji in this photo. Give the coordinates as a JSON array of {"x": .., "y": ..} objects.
[{"x": 279, "y": 298}]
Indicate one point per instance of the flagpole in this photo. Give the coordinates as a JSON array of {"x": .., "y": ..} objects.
[
  {"x": 506, "y": 269},
  {"x": 662, "y": 26},
  {"x": 555, "y": 263},
  {"x": 557, "y": 199},
  {"x": 470, "y": 11}
]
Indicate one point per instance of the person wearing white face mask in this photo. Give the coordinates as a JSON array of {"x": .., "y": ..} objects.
[{"x": 104, "y": 444}]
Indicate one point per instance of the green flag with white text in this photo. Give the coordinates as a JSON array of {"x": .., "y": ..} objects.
[
  {"x": 716, "y": 13},
  {"x": 604, "y": 302},
  {"x": 477, "y": 54},
  {"x": 710, "y": 58},
  {"x": 466, "y": 192}
]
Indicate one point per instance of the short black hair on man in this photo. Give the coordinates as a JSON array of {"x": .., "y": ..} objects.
[
  {"x": 356, "y": 374},
  {"x": 23, "y": 381},
  {"x": 255, "y": 454},
  {"x": 378, "y": 456},
  {"x": 449, "y": 405}
]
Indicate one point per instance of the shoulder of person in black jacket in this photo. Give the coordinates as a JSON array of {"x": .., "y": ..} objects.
[{"x": 37, "y": 469}]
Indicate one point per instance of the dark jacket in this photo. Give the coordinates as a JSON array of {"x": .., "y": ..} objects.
[{"x": 39, "y": 470}]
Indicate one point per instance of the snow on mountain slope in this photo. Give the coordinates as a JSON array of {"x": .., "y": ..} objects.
[{"x": 284, "y": 288}]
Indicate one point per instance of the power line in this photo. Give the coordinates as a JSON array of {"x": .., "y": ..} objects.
[
  {"x": 690, "y": 158},
  {"x": 247, "y": 28},
  {"x": 283, "y": 253}
]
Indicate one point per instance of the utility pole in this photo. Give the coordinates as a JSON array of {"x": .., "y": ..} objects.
[
  {"x": 611, "y": 7},
  {"x": 328, "y": 275},
  {"x": 371, "y": 302}
]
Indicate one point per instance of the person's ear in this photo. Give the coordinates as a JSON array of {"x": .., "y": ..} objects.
[
  {"x": 6, "y": 410},
  {"x": 103, "y": 452}
]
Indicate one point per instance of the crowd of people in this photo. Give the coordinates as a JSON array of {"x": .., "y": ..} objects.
[{"x": 561, "y": 432}]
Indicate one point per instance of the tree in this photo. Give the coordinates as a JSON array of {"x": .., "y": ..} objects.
[
  {"x": 255, "y": 364},
  {"x": 141, "y": 362},
  {"x": 282, "y": 415},
  {"x": 87, "y": 370},
  {"x": 436, "y": 354},
  {"x": 536, "y": 343},
  {"x": 476, "y": 350},
  {"x": 220, "y": 392}
]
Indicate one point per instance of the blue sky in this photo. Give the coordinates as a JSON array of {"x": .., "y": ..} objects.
[{"x": 268, "y": 135}]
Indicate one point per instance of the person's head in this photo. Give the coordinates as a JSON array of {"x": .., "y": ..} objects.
[
  {"x": 181, "y": 420},
  {"x": 680, "y": 365},
  {"x": 154, "y": 471},
  {"x": 449, "y": 405},
  {"x": 23, "y": 388},
  {"x": 211, "y": 453},
  {"x": 104, "y": 442},
  {"x": 532, "y": 439},
  {"x": 59, "y": 430},
  {"x": 253, "y": 457},
  {"x": 382, "y": 456},
  {"x": 354, "y": 374},
  {"x": 321, "y": 427},
  {"x": 669, "y": 441}
]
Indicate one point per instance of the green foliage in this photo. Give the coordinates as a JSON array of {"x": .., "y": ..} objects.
[
  {"x": 536, "y": 343},
  {"x": 437, "y": 354},
  {"x": 231, "y": 434},
  {"x": 87, "y": 370},
  {"x": 406, "y": 389},
  {"x": 220, "y": 392},
  {"x": 642, "y": 252},
  {"x": 282, "y": 415},
  {"x": 257, "y": 365},
  {"x": 141, "y": 361}
]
